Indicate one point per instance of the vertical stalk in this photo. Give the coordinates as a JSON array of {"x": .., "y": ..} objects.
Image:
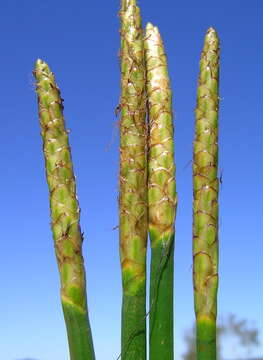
[
  {"x": 65, "y": 214},
  {"x": 205, "y": 206},
  {"x": 133, "y": 184},
  {"x": 162, "y": 198}
]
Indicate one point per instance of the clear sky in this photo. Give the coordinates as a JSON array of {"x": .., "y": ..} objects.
[{"x": 80, "y": 41}]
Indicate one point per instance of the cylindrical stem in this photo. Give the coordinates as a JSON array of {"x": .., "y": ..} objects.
[
  {"x": 133, "y": 184},
  {"x": 162, "y": 199},
  {"x": 205, "y": 206},
  {"x": 65, "y": 214}
]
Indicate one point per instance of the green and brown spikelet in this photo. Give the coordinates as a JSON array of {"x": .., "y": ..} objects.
[
  {"x": 162, "y": 200},
  {"x": 65, "y": 214},
  {"x": 205, "y": 206},
  {"x": 133, "y": 184}
]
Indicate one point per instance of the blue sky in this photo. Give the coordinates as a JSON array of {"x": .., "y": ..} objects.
[{"x": 80, "y": 42}]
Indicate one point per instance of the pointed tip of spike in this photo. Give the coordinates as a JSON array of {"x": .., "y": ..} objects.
[
  {"x": 39, "y": 61},
  {"x": 211, "y": 32},
  {"x": 211, "y": 36},
  {"x": 41, "y": 64},
  {"x": 211, "y": 29},
  {"x": 150, "y": 28}
]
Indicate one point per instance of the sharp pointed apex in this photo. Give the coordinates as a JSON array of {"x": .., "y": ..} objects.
[
  {"x": 211, "y": 29},
  {"x": 41, "y": 65},
  {"x": 149, "y": 26},
  {"x": 39, "y": 62},
  {"x": 211, "y": 35},
  {"x": 152, "y": 30},
  {"x": 211, "y": 32}
]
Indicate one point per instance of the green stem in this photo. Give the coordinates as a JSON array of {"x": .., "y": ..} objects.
[
  {"x": 205, "y": 207},
  {"x": 133, "y": 327},
  {"x": 162, "y": 199},
  {"x": 161, "y": 302},
  {"x": 79, "y": 332},
  {"x": 133, "y": 184},
  {"x": 206, "y": 338},
  {"x": 65, "y": 214}
]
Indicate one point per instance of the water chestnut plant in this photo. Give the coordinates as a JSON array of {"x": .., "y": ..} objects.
[{"x": 147, "y": 198}]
